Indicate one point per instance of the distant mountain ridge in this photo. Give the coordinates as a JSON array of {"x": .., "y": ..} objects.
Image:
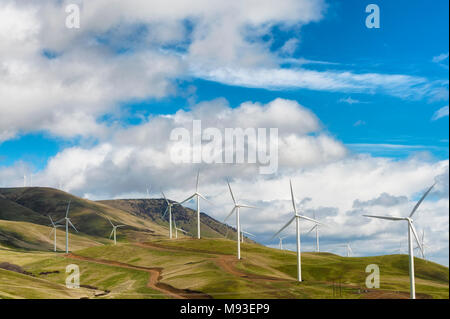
[{"x": 143, "y": 217}]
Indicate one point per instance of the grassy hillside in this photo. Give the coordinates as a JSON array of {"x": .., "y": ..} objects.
[
  {"x": 145, "y": 264},
  {"x": 207, "y": 268},
  {"x": 28, "y": 236}
]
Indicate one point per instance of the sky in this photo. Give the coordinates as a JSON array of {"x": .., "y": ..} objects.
[{"x": 362, "y": 113}]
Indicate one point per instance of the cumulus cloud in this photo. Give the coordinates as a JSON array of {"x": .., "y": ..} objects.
[{"x": 53, "y": 78}]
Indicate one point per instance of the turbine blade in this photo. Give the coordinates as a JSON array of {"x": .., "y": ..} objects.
[
  {"x": 231, "y": 213},
  {"x": 310, "y": 219},
  {"x": 188, "y": 199},
  {"x": 67, "y": 210},
  {"x": 110, "y": 222},
  {"x": 248, "y": 233},
  {"x": 421, "y": 200},
  {"x": 231, "y": 192},
  {"x": 167, "y": 209},
  {"x": 287, "y": 224},
  {"x": 311, "y": 229},
  {"x": 292, "y": 197},
  {"x": 112, "y": 232},
  {"x": 385, "y": 217},
  {"x": 120, "y": 226},
  {"x": 61, "y": 220},
  {"x": 51, "y": 232},
  {"x": 51, "y": 220},
  {"x": 415, "y": 235},
  {"x": 165, "y": 198},
  {"x": 248, "y": 206},
  {"x": 196, "y": 185},
  {"x": 72, "y": 225}
]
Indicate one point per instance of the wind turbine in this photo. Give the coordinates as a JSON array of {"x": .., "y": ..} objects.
[
  {"x": 281, "y": 242},
  {"x": 54, "y": 226},
  {"x": 315, "y": 227},
  {"x": 349, "y": 250},
  {"x": 67, "y": 220},
  {"x": 411, "y": 229},
  {"x": 237, "y": 207},
  {"x": 197, "y": 195},
  {"x": 297, "y": 218},
  {"x": 169, "y": 208},
  {"x": 114, "y": 230},
  {"x": 178, "y": 229}
]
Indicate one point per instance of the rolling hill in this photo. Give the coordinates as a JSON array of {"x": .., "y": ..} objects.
[{"x": 145, "y": 264}]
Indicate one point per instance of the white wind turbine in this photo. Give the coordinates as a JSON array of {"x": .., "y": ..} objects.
[
  {"x": 316, "y": 228},
  {"x": 114, "y": 230},
  {"x": 348, "y": 249},
  {"x": 178, "y": 229},
  {"x": 411, "y": 229},
  {"x": 280, "y": 245},
  {"x": 67, "y": 220},
  {"x": 169, "y": 209},
  {"x": 197, "y": 195},
  {"x": 297, "y": 218},
  {"x": 54, "y": 226},
  {"x": 236, "y": 209}
]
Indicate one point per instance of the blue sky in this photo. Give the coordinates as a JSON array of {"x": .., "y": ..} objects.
[
  {"x": 411, "y": 34},
  {"x": 362, "y": 113}
]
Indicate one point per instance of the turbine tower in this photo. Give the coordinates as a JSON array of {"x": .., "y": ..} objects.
[
  {"x": 411, "y": 229},
  {"x": 169, "y": 209},
  {"x": 297, "y": 218},
  {"x": 54, "y": 226},
  {"x": 236, "y": 209},
  {"x": 197, "y": 195},
  {"x": 68, "y": 222},
  {"x": 114, "y": 230}
]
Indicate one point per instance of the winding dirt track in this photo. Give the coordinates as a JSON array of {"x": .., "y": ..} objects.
[
  {"x": 226, "y": 262},
  {"x": 154, "y": 280}
]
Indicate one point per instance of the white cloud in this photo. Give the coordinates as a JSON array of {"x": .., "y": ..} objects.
[
  {"x": 326, "y": 178},
  {"x": 442, "y": 112},
  {"x": 403, "y": 86},
  {"x": 350, "y": 100},
  {"x": 289, "y": 46},
  {"x": 441, "y": 57}
]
